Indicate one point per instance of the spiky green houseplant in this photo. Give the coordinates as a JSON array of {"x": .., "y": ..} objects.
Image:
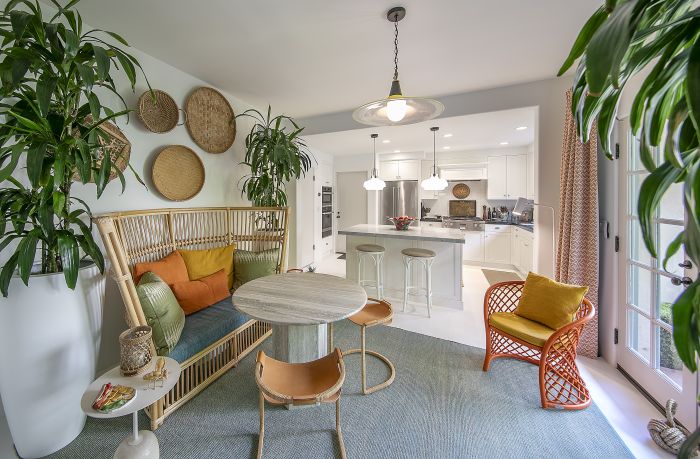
[
  {"x": 622, "y": 38},
  {"x": 276, "y": 155},
  {"x": 51, "y": 72}
]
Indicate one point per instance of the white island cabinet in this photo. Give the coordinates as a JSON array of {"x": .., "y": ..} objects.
[{"x": 447, "y": 243}]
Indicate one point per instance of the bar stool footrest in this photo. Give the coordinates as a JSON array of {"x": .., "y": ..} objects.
[{"x": 386, "y": 361}]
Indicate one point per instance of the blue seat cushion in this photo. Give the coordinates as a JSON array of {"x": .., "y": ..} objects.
[{"x": 205, "y": 327}]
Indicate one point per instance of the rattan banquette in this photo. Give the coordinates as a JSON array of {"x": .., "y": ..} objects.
[{"x": 148, "y": 235}]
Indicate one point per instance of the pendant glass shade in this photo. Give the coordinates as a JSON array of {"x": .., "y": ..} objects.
[
  {"x": 434, "y": 183},
  {"x": 374, "y": 183}
]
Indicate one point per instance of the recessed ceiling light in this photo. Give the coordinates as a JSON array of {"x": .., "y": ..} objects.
[
  {"x": 447, "y": 135},
  {"x": 521, "y": 128},
  {"x": 504, "y": 143},
  {"x": 446, "y": 148},
  {"x": 386, "y": 141},
  {"x": 397, "y": 151}
]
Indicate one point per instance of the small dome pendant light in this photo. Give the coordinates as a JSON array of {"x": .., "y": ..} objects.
[
  {"x": 374, "y": 183},
  {"x": 434, "y": 182},
  {"x": 397, "y": 109}
]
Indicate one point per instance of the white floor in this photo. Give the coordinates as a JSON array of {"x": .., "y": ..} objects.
[{"x": 625, "y": 408}]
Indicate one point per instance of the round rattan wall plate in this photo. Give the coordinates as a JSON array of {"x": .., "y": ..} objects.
[
  {"x": 159, "y": 115},
  {"x": 210, "y": 120},
  {"x": 461, "y": 191},
  {"x": 178, "y": 173}
]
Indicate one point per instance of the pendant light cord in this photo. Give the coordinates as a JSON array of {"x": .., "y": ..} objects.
[
  {"x": 375, "y": 172},
  {"x": 396, "y": 47},
  {"x": 434, "y": 160}
]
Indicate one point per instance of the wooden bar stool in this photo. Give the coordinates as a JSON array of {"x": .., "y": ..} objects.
[
  {"x": 281, "y": 383},
  {"x": 375, "y": 312},
  {"x": 426, "y": 258},
  {"x": 376, "y": 253}
]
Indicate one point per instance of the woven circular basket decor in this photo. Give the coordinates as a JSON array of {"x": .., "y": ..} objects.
[
  {"x": 178, "y": 173},
  {"x": 461, "y": 191},
  {"x": 159, "y": 115},
  {"x": 210, "y": 120},
  {"x": 135, "y": 350},
  {"x": 115, "y": 142}
]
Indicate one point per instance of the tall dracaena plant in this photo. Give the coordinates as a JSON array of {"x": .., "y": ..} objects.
[
  {"x": 51, "y": 120},
  {"x": 275, "y": 156}
]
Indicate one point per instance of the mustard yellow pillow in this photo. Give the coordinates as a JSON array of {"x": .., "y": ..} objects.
[
  {"x": 202, "y": 263},
  {"x": 549, "y": 302}
]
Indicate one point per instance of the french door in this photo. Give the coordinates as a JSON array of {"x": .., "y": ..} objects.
[{"x": 645, "y": 349}]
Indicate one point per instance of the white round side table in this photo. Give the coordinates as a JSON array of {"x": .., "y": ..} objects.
[{"x": 142, "y": 444}]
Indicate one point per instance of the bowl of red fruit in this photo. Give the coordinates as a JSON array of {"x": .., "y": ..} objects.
[{"x": 401, "y": 223}]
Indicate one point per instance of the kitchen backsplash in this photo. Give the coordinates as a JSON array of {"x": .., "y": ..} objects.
[{"x": 440, "y": 206}]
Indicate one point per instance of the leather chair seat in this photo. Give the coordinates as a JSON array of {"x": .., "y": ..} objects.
[{"x": 374, "y": 313}]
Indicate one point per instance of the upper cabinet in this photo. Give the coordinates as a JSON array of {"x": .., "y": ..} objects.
[
  {"x": 507, "y": 177},
  {"x": 399, "y": 170}
]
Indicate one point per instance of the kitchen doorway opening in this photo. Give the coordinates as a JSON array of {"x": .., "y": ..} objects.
[{"x": 351, "y": 203}]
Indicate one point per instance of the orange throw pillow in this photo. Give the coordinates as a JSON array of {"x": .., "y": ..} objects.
[
  {"x": 170, "y": 269},
  {"x": 198, "y": 294}
]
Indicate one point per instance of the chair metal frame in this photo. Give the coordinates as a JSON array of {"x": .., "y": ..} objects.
[{"x": 560, "y": 381}]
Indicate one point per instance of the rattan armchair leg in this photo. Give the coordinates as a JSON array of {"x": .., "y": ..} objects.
[
  {"x": 261, "y": 435},
  {"x": 364, "y": 352},
  {"x": 341, "y": 442}
]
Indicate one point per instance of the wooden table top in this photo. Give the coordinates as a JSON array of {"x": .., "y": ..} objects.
[{"x": 299, "y": 298}]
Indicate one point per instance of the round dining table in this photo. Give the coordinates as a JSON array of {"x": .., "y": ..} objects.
[{"x": 299, "y": 306}]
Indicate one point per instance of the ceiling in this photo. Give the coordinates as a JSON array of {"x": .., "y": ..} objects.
[
  {"x": 310, "y": 57},
  {"x": 469, "y": 132}
]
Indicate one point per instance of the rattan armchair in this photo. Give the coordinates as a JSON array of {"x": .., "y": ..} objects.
[{"x": 561, "y": 384}]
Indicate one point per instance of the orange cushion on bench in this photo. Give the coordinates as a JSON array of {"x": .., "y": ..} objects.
[
  {"x": 198, "y": 294},
  {"x": 170, "y": 269}
]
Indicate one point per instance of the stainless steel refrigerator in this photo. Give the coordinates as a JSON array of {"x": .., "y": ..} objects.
[{"x": 397, "y": 199}]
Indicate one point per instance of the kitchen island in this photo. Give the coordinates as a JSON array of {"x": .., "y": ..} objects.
[{"x": 447, "y": 243}]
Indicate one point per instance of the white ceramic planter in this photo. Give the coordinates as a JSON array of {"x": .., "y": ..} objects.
[{"x": 49, "y": 340}]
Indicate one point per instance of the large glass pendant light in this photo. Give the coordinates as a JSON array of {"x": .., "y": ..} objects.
[
  {"x": 397, "y": 109},
  {"x": 374, "y": 183},
  {"x": 434, "y": 182}
]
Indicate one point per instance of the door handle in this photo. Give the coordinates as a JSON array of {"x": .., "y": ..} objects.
[
  {"x": 687, "y": 264},
  {"x": 685, "y": 281}
]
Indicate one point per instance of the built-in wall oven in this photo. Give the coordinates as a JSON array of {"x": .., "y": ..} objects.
[{"x": 326, "y": 211}]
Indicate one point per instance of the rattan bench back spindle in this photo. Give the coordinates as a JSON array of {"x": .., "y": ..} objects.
[{"x": 147, "y": 235}]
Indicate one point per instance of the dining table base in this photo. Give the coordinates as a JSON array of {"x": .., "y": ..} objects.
[{"x": 299, "y": 343}]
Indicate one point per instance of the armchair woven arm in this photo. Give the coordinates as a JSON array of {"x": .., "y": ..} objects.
[
  {"x": 502, "y": 297},
  {"x": 561, "y": 384}
]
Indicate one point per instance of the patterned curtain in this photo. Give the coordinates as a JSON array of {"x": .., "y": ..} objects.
[{"x": 577, "y": 254}]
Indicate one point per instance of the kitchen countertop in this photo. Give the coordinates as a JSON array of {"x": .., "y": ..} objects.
[
  {"x": 419, "y": 232},
  {"x": 527, "y": 227}
]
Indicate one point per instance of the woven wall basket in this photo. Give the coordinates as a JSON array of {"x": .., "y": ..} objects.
[
  {"x": 210, "y": 120},
  {"x": 159, "y": 115},
  {"x": 178, "y": 173},
  {"x": 461, "y": 191},
  {"x": 115, "y": 143}
]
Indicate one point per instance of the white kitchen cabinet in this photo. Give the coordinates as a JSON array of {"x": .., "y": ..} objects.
[
  {"x": 399, "y": 170},
  {"x": 516, "y": 171},
  {"x": 497, "y": 247},
  {"x": 515, "y": 247},
  {"x": 507, "y": 177},
  {"x": 473, "y": 246},
  {"x": 496, "y": 172},
  {"x": 526, "y": 243}
]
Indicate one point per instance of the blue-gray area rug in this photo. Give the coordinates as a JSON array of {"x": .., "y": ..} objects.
[{"x": 441, "y": 405}]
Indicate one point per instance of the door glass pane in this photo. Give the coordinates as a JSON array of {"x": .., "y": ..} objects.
[
  {"x": 669, "y": 362},
  {"x": 672, "y": 203},
  {"x": 667, "y": 296},
  {"x": 638, "y": 333},
  {"x": 640, "y": 288},
  {"x": 638, "y": 251},
  {"x": 668, "y": 233},
  {"x": 635, "y": 181}
]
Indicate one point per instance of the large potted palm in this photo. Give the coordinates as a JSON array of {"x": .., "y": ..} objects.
[
  {"x": 53, "y": 72},
  {"x": 276, "y": 155},
  {"x": 620, "y": 40}
]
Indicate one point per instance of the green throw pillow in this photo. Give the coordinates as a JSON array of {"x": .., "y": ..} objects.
[
  {"x": 251, "y": 265},
  {"x": 163, "y": 312}
]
